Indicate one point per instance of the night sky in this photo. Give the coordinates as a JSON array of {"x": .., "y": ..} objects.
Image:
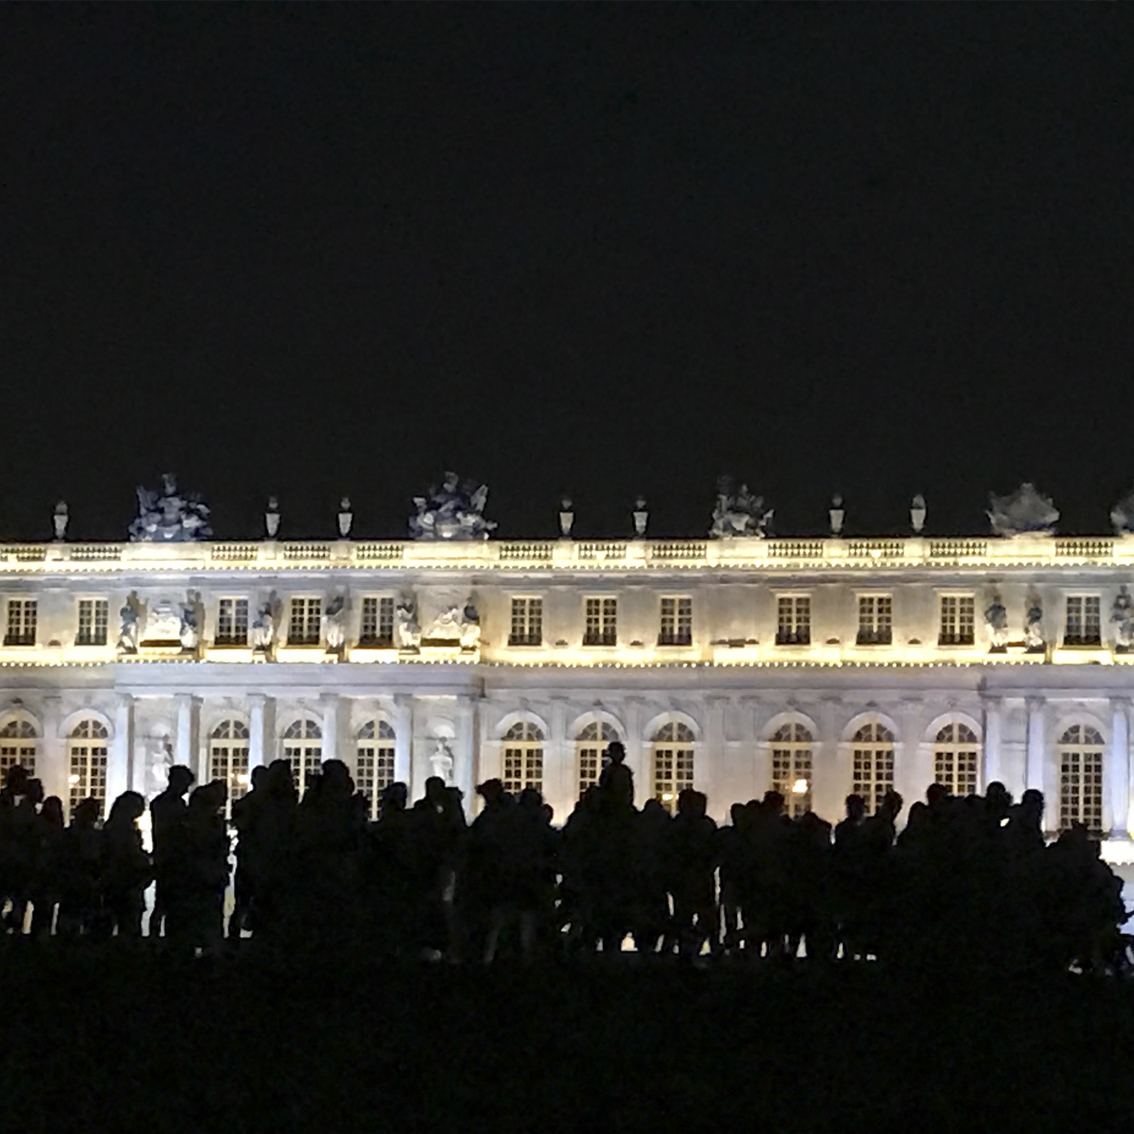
[{"x": 309, "y": 250}]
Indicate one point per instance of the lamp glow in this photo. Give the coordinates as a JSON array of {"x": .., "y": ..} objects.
[{"x": 799, "y": 787}]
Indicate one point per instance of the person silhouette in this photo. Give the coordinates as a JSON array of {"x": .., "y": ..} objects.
[
  {"x": 125, "y": 868},
  {"x": 167, "y": 816}
]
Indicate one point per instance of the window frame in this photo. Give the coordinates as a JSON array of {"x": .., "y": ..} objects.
[
  {"x": 377, "y": 640},
  {"x": 681, "y": 614},
  {"x": 956, "y": 640},
  {"x": 526, "y": 752},
  {"x": 1082, "y": 640},
  {"x": 873, "y": 633},
  {"x": 306, "y": 638},
  {"x": 793, "y": 637},
  {"x": 92, "y": 638},
  {"x": 606, "y": 635},
  {"x": 527, "y": 638},
  {"x": 21, "y": 635},
  {"x": 232, "y": 638}
]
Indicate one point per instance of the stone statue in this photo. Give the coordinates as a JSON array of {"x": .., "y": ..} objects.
[
  {"x": 1022, "y": 512},
  {"x": 1122, "y": 515},
  {"x": 190, "y": 633},
  {"x": 169, "y": 517},
  {"x": 997, "y": 618},
  {"x": 1122, "y": 615},
  {"x": 334, "y": 623},
  {"x": 1033, "y": 627},
  {"x": 442, "y": 760},
  {"x": 128, "y": 635},
  {"x": 453, "y": 511},
  {"x": 738, "y": 513},
  {"x": 407, "y": 632},
  {"x": 263, "y": 629},
  {"x": 157, "y": 766},
  {"x": 470, "y": 627}
]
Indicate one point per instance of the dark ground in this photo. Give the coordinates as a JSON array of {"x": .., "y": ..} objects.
[{"x": 109, "y": 1041}]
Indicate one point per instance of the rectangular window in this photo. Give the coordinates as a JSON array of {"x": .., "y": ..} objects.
[
  {"x": 602, "y": 622},
  {"x": 676, "y": 622},
  {"x": 377, "y": 622},
  {"x": 303, "y": 627},
  {"x": 93, "y": 617},
  {"x": 21, "y": 622},
  {"x": 232, "y": 622},
  {"x": 957, "y": 620},
  {"x": 527, "y": 622},
  {"x": 1083, "y": 622},
  {"x": 875, "y": 620},
  {"x": 793, "y": 620}
]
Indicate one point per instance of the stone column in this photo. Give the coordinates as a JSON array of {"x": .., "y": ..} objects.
[
  {"x": 830, "y": 774},
  {"x": 51, "y": 765},
  {"x": 257, "y": 748},
  {"x": 120, "y": 757},
  {"x": 330, "y": 703},
  {"x": 187, "y": 747},
  {"x": 993, "y": 769},
  {"x": 403, "y": 740},
  {"x": 913, "y": 758},
  {"x": 636, "y": 747},
  {"x": 711, "y": 776},
  {"x": 1118, "y": 769},
  {"x": 559, "y": 770},
  {"x": 465, "y": 752},
  {"x": 1035, "y": 754}
]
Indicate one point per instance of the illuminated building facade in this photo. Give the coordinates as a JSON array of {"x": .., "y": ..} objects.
[{"x": 817, "y": 666}]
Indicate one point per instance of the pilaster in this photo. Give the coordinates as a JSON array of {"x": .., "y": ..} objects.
[
  {"x": 1035, "y": 752},
  {"x": 1118, "y": 770},
  {"x": 120, "y": 756},
  {"x": 52, "y": 763}
]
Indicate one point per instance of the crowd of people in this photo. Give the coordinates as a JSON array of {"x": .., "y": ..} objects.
[{"x": 969, "y": 880}]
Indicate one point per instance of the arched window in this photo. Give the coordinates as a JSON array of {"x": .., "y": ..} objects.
[
  {"x": 956, "y": 753},
  {"x": 673, "y": 763},
  {"x": 523, "y": 757},
  {"x": 873, "y": 763},
  {"x": 17, "y": 746},
  {"x": 228, "y": 757},
  {"x": 303, "y": 749},
  {"x": 86, "y": 756},
  {"x": 374, "y": 766},
  {"x": 791, "y": 767},
  {"x": 590, "y": 742},
  {"x": 1080, "y": 778}
]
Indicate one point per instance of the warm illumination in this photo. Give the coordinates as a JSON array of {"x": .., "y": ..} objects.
[
  {"x": 667, "y": 797},
  {"x": 242, "y": 779},
  {"x": 799, "y": 787},
  {"x": 72, "y": 778}
]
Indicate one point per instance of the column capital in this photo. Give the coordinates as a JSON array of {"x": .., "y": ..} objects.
[
  {"x": 1034, "y": 702},
  {"x": 329, "y": 698},
  {"x": 992, "y": 700},
  {"x": 1119, "y": 703},
  {"x": 256, "y": 700},
  {"x": 124, "y": 700}
]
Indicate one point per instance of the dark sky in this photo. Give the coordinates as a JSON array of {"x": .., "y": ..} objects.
[{"x": 319, "y": 249}]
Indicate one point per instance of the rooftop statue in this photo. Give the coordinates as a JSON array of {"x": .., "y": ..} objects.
[
  {"x": 168, "y": 516},
  {"x": 453, "y": 511},
  {"x": 1023, "y": 511},
  {"x": 1122, "y": 515},
  {"x": 738, "y": 513}
]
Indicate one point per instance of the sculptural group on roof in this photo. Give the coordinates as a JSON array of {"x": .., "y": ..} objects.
[
  {"x": 455, "y": 510},
  {"x": 738, "y": 513},
  {"x": 169, "y": 516},
  {"x": 1023, "y": 512}
]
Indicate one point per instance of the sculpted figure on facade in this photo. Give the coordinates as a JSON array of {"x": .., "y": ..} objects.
[
  {"x": 997, "y": 618},
  {"x": 1023, "y": 512},
  {"x": 130, "y": 630},
  {"x": 407, "y": 632},
  {"x": 169, "y": 516},
  {"x": 738, "y": 513},
  {"x": 442, "y": 760},
  {"x": 1034, "y": 641},
  {"x": 159, "y": 759},
  {"x": 190, "y": 633},
  {"x": 334, "y": 623},
  {"x": 470, "y": 627},
  {"x": 453, "y": 511},
  {"x": 447, "y": 626},
  {"x": 1122, "y": 617},
  {"x": 263, "y": 629}
]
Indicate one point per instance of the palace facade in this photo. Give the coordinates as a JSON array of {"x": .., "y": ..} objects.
[{"x": 818, "y": 666}]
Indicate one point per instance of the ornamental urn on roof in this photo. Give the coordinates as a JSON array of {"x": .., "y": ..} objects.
[{"x": 1023, "y": 512}]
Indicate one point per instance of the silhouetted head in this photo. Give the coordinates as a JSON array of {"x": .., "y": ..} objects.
[
  {"x": 531, "y": 797},
  {"x": 394, "y": 798},
  {"x": 892, "y": 804},
  {"x": 180, "y": 779},
  {"x": 856, "y": 807},
  {"x": 491, "y": 791},
  {"x": 33, "y": 793},
  {"x": 773, "y": 803},
  {"x": 690, "y": 802},
  {"x": 337, "y": 778},
  {"x": 998, "y": 796},
  {"x": 736, "y": 813},
  {"x": 435, "y": 790},
  {"x": 209, "y": 798},
  {"x": 52, "y": 811},
  {"x": 259, "y": 777},
  {"x": 87, "y": 812},
  {"x": 615, "y": 752},
  {"x": 126, "y": 810},
  {"x": 935, "y": 795},
  {"x": 16, "y": 780}
]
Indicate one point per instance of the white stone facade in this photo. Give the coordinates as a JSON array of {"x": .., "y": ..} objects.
[{"x": 715, "y": 646}]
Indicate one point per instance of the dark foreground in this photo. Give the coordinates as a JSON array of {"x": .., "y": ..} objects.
[{"x": 109, "y": 1041}]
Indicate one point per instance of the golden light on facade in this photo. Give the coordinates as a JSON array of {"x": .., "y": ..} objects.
[{"x": 799, "y": 787}]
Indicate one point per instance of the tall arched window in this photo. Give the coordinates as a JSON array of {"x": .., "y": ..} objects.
[
  {"x": 956, "y": 753},
  {"x": 228, "y": 757},
  {"x": 374, "y": 766},
  {"x": 17, "y": 746},
  {"x": 590, "y": 742},
  {"x": 673, "y": 763},
  {"x": 523, "y": 757},
  {"x": 1080, "y": 778},
  {"x": 86, "y": 756},
  {"x": 303, "y": 749},
  {"x": 791, "y": 766},
  {"x": 873, "y": 763}
]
